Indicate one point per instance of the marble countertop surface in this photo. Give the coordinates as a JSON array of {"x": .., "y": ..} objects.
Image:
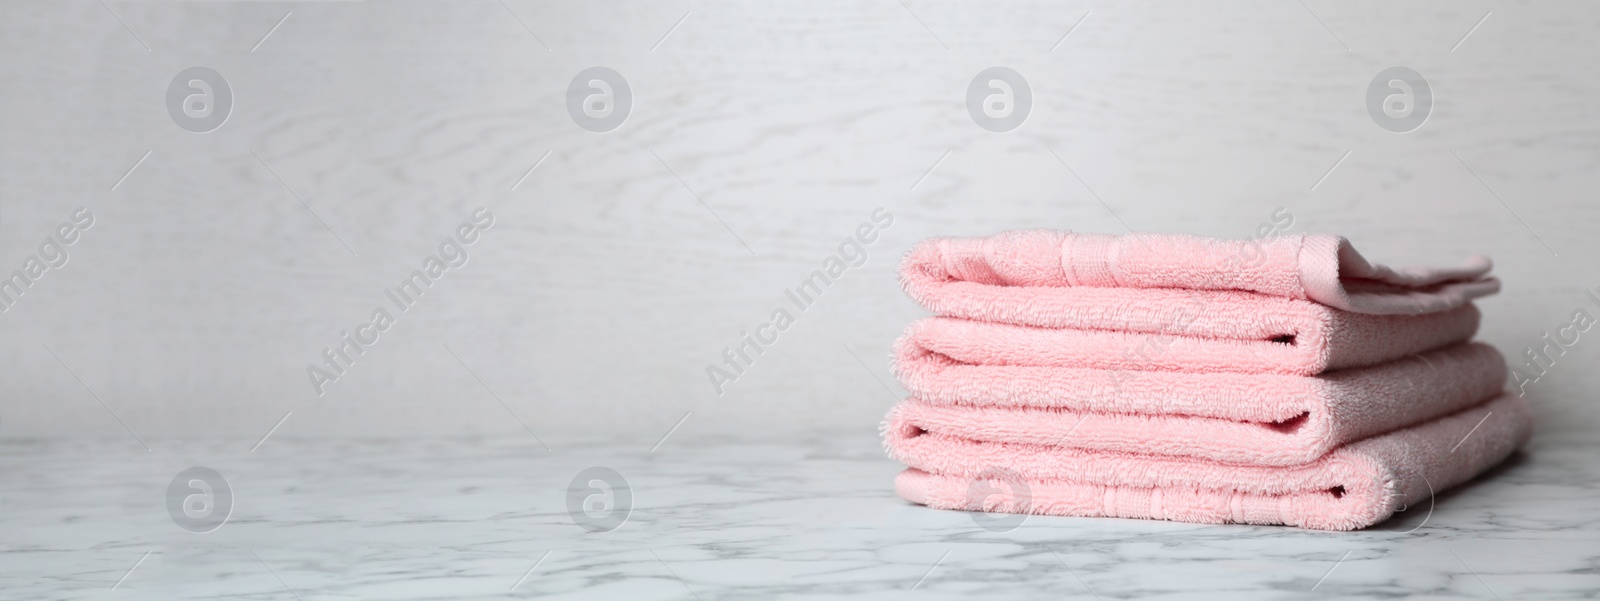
[{"x": 469, "y": 519}]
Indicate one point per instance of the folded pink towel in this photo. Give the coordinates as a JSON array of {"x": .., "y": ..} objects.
[
  {"x": 1128, "y": 329},
  {"x": 995, "y": 278},
  {"x": 1357, "y": 485},
  {"x": 1253, "y": 419}
]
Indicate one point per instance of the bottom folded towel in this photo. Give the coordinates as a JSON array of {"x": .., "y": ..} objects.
[{"x": 1354, "y": 486}]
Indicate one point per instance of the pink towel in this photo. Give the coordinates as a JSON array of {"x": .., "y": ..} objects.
[
  {"x": 995, "y": 277},
  {"x": 1259, "y": 419},
  {"x": 1355, "y": 486},
  {"x": 1126, "y": 329}
]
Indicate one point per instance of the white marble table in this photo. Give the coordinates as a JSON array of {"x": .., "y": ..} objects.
[{"x": 468, "y": 519}]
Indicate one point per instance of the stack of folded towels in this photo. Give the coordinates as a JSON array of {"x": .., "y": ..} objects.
[{"x": 1277, "y": 381}]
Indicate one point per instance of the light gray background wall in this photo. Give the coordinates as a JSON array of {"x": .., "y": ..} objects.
[{"x": 205, "y": 288}]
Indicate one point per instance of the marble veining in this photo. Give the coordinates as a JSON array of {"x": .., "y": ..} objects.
[{"x": 487, "y": 518}]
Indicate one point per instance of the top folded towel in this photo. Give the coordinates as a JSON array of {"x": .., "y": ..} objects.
[{"x": 1320, "y": 268}]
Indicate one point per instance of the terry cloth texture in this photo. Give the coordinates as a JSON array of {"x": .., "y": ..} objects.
[
  {"x": 1353, "y": 487},
  {"x": 1015, "y": 266},
  {"x": 1259, "y": 419}
]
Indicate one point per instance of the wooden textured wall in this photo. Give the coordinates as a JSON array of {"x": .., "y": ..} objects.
[{"x": 760, "y": 135}]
